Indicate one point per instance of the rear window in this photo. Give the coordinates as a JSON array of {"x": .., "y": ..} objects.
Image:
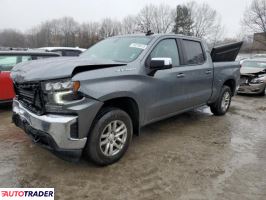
[
  {"x": 194, "y": 52},
  {"x": 71, "y": 53},
  {"x": 8, "y": 62}
]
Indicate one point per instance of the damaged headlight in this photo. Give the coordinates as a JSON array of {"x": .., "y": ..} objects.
[
  {"x": 61, "y": 91},
  {"x": 257, "y": 80},
  {"x": 62, "y": 85}
]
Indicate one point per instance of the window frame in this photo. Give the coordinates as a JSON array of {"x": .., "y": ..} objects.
[
  {"x": 185, "y": 54},
  {"x": 148, "y": 58}
]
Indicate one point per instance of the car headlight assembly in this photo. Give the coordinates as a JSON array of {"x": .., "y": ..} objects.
[
  {"x": 257, "y": 80},
  {"x": 62, "y": 85},
  {"x": 62, "y": 91}
]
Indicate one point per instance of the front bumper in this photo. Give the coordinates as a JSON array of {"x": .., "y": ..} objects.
[
  {"x": 53, "y": 131},
  {"x": 251, "y": 88}
]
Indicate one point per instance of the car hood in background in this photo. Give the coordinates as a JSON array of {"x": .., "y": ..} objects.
[
  {"x": 252, "y": 70},
  {"x": 54, "y": 68}
]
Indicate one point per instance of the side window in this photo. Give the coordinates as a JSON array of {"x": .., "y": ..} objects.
[
  {"x": 193, "y": 51},
  {"x": 58, "y": 52},
  {"x": 23, "y": 59},
  {"x": 166, "y": 49},
  {"x": 41, "y": 57},
  {"x": 26, "y": 58},
  {"x": 71, "y": 53},
  {"x": 7, "y": 62}
]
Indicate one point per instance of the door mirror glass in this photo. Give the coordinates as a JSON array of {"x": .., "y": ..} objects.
[{"x": 161, "y": 63}]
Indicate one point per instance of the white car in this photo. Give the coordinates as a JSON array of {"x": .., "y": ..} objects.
[{"x": 64, "y": 51}]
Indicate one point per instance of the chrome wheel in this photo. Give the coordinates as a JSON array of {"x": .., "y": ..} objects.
[
  {"x": 225, "y": 101},
  {"x": 113, "y": 138}
]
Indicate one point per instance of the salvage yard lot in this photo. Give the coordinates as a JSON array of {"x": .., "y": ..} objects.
[{"x": 191, "y": 156}]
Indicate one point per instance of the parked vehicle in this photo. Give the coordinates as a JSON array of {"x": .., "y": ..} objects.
[
  {"x": 253, "y": 76},
  {"x": 64, "y": 51},
  {"x": 95, "y": 102},
  {"x": 259, "y": 56},
  {"x": 8, "y": 59}
]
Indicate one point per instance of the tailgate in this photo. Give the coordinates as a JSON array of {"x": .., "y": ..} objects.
[{"x": 226, "y": 53}]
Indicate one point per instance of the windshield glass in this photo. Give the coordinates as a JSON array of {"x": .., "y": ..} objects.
[
  {"x": 254, "y": 64},
  {"x": 120, "y": 49}
]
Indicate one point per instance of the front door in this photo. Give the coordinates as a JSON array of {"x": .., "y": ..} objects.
[{"x": 166, "y": 87}]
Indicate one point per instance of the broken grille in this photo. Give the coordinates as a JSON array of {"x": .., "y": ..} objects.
[{"x": 30, "y": 95}]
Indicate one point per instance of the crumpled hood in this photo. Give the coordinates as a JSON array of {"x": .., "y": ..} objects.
[
  {"x": 54, "y": 68},
  {"x": 251, "y": 70}
]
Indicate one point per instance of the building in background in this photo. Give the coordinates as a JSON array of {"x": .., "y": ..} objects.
[{"x": 259, "y": 43}]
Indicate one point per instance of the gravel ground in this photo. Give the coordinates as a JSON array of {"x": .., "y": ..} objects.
[{"x": 191, "y": 156}]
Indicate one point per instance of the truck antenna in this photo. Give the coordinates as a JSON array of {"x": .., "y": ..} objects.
[{"x": 149, "y": 32}]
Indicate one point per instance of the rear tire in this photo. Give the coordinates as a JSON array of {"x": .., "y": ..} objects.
[
  {"x": 110, "y": 137},
  {"x": 222, "y": 104}
]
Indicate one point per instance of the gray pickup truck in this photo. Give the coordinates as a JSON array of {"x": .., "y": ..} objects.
[{"x": 93, "y": 103}]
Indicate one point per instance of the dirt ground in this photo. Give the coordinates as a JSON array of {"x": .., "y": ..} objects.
[{"x": 191, "y": 156}]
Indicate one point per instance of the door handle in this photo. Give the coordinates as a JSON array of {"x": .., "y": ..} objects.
[
  {"x": 180, "y": 75},
  {"x": 208, "y": 72}
]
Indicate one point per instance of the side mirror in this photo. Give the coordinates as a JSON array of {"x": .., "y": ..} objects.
[{"x": 160, "y": 63}]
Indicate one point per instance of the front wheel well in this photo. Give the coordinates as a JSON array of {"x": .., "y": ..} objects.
[{"x": 128, "y": 105}]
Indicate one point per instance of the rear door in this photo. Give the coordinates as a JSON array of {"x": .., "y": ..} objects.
[{"x": 198, "y": 72}]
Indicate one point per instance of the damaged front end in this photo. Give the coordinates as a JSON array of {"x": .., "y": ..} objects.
[{"x": 253, "y": 83}]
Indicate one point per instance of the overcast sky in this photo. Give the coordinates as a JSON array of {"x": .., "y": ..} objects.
[{"x": 23, "y": 14}]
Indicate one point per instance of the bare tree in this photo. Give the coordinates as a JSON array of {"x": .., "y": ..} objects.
[
  {"x": 159, "y": 19},
  {"x": 191, "y": 19},
  {"x": 205, "y": 19},
  {"x": 216, "y": 34},
  {"x": 145, "y": 18},
  {"x": 88, "y": 34},
  {"x": 129, "y": 25},
  {"x": 12, "y": 38},
  {"x": 109, "y": 28},
  {"x": 254, "y": 21},
  {"x": 69, "y": 29},
  {"x": 163, "y": 19},
  {"x": 255, "y": 16}
]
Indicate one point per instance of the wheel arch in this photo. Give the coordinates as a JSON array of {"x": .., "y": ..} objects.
[
  {"x": 130, "y": 106},
  {"x": 231, "y": 83}
]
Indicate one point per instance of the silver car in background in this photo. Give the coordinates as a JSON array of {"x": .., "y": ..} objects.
[{"x": 253, "y": 76}]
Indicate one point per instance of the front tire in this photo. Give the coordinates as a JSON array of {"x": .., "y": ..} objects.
[
  {"x": 110, "y": 137},
  {"x": 222, "y": 104}
]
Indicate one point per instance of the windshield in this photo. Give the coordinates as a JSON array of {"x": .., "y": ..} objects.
[
  {"x": 254, "y": 64},
  {"x": 120, "y": 49}
]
